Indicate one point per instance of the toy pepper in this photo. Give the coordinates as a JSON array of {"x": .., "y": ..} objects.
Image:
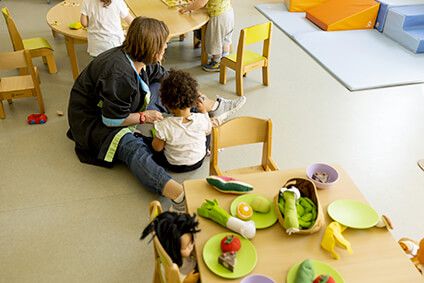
[{"x": 211, "y": 209}]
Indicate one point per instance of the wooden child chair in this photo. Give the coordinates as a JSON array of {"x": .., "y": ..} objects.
[
  {"x": 243, "y": 131},
  {"x": 37, "y": 46},
  {"x": 245, "y": 60},
  {"x": 26, "y": 84},
  {"x": 166, "y": 271}
]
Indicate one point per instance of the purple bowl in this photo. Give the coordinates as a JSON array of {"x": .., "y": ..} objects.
[
  {"x": 257, "y": 278},
  {"x": 333, "y": 175}
]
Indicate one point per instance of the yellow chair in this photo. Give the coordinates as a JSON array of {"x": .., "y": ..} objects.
[
  {"x": 166, "y": 271},
  {"x": 243, "y": 131},
  {"x": 38, "y": 47},
  {"x": 245, "y": 60},
  {"x": 26, "y": 84}
]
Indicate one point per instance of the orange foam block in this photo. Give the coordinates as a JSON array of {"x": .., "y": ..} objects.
[
  {"x": 301, "y": 5},
  {"x": 335, "y": 15}
]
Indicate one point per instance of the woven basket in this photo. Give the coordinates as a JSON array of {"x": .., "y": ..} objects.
[{"x": 307, "y": 189}]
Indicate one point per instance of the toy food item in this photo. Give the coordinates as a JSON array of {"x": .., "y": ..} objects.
[
  {"x": 320, "y": 177},
  {"x": 415, "y": 251},
  {"x": 228, "y": 260},
  {"x": 324, "y": 279},
  {"x": 76, "y": 25},
  {"x": 230, "y": 243},
  {"x": 211, "y": 209},
  {"x": 261, "y": 204},
  {"x": 244, "y": 211},
  {"x": 305, "y": 273},
  {"x": 229, "y": 185},
  {"x": 290, "y": 196},
  {"x": 333, "y": 234}
]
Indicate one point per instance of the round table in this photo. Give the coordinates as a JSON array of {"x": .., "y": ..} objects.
[{"x": 61, "y": 15}]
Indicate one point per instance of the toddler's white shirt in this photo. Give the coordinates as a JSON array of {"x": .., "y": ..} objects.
[
  {"x": 185, "y": 142},
  {"x": 104, "y": 24}
]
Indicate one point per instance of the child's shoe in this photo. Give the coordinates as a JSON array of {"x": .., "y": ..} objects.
[
  {"x": 178, "y": 207},
  {"x": 212, "y": 66}
]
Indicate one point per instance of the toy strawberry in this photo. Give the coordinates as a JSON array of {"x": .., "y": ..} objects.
[{"x": 230, "y": 243}]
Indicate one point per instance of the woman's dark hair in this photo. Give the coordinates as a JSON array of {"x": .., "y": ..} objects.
[
  {"x": 146, "y": 37},
  {"x": 169, "y": 227},
  {"x": 106, "y": 2},
  {"x": 179, "y": 90}
]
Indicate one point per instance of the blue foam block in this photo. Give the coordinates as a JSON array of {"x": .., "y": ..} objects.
[
  {"x": 405, "y": 24},
  {"x": 385, "y": 5}
]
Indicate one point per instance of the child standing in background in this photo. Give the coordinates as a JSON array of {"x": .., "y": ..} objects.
[
  {"x": 219, "y": 30},
  {"x": 180, "y": 139},
  {"x": 103, "y": 19}
]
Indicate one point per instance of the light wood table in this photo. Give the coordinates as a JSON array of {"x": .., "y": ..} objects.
[
  {"x": 66, "y": 12},
  {"x": 376, "y": 257}
]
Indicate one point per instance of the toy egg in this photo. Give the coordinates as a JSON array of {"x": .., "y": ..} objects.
[
  {"x": 244, "y": 210},
  {"x": 261, "y": 204}
]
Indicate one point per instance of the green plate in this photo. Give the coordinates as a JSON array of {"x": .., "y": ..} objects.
[
  {"x": 319, "y": 268},
  {"x": 353, "y": 213},
  {"x": 262, "y": 220},
  {"x": 246, "y": 257}
]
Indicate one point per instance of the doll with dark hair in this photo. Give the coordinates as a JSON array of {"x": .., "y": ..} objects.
[{"x": 175, "y": 233}]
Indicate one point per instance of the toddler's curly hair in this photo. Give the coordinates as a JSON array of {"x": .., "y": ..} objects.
[{"x": 179, "y": 90}]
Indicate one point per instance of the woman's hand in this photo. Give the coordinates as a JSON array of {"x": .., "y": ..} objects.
[
  {"x": 192, "y": 277},
  {"x": 152, "y": 116}
]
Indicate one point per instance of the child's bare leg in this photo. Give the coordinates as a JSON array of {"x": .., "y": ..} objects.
[
  {"x": 172, "y": 190},
  {"x": 175, "y": 192}
]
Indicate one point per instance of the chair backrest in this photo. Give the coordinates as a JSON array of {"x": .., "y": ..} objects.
[
  {"x": 254, "y": 34},
  {"x": 15, "y": 37},
  {"x": 166, "y": 271},
  {"x": 18, "y": 60},
  {"x": 243, "y": 131}
]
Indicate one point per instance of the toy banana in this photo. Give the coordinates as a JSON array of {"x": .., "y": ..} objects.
[
  {"x": 333, "y": 235},
  {"x": 211, "y": 209}
]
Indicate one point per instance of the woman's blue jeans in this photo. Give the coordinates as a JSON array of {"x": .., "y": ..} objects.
[{"x": 136, "y": 154}]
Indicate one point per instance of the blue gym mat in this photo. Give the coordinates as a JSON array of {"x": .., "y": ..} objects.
[{"x": 358, "y": 59}]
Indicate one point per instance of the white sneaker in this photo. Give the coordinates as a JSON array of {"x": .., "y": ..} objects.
[
  {"x": 227, "y": 108},
  {"x": 178, "y": 207}
]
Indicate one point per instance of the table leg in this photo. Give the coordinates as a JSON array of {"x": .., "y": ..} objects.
[
  {"x": 70, "y": 47},
  {"x": 203, "y": 54}
]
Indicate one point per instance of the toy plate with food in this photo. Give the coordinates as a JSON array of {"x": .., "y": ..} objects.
[
  {"x": 263, "y": 211},
  {"x": 319, "y": 270},
  {"x": 230, "y": 264}
]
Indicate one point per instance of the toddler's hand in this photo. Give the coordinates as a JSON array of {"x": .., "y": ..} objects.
[
  {"x": 200, "y": 104},
  {"x": 152, "y": 116}
]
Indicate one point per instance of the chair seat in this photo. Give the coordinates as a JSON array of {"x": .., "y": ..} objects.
[
  {"x": 36, "y": 43},
  {"x": 16, "y": 83},
  {"x": 249, "y": 57}
]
